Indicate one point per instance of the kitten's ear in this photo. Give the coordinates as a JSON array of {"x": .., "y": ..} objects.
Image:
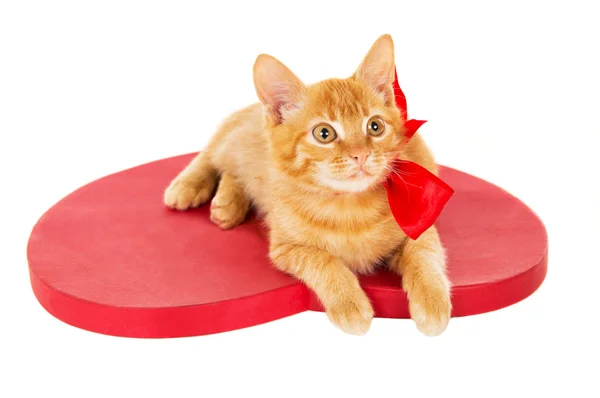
[
  {"x": 378, "y": 67},
  {"x": 277, "y": 87}
]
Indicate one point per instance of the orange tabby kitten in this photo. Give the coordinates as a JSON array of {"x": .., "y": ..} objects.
[{"x": 312, "y": 159}]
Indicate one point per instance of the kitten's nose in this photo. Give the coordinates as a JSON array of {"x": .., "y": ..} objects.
[{"x": 360, "y": 156}]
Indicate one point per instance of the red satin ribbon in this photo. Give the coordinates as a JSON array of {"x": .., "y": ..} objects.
[{"x": 416, "y": 196}]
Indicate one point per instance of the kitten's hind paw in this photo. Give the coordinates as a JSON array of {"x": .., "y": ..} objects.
[
  {"x": 182, "y": 194},
  {"x": 230, "y": 204}
]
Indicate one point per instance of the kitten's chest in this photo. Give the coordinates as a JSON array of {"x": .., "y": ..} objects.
[
  {"x": 360, "y": 243},
  {"x": 362, "y": 251}
]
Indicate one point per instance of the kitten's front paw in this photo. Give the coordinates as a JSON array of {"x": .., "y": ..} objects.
[
  {"x": 353, "y": 314},
  {"x": 182, "y": 194},
  {"x": 430, "y": 307}
]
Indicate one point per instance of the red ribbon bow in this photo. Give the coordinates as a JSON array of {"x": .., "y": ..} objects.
[{"x": 416, "y": 196}]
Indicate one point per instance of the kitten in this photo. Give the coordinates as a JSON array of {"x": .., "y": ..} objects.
[{"x": 311, "y": 159}]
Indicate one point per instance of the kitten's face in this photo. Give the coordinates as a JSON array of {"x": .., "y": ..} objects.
[
  {"x": 342, "y": 137},
  {"x": 338, "y": 134}
]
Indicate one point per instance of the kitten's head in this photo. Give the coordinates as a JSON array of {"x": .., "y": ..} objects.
[{"x": 338, "y": 134}]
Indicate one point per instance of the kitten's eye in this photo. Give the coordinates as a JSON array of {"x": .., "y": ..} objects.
[
  {"x": 375, "y": 126},
  {"x": 324, "y": 133}
]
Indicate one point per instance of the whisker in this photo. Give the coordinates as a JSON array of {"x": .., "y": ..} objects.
[{"x": 399, "y": 174}]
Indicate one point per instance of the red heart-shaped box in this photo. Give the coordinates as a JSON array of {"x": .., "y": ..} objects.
[{"x": 111, "y": 258}]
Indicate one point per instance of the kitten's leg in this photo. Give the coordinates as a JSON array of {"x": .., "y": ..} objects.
[
  {"x": 422, "y": 264},
  {"x": 346, "y": 304},
  {"x": 193, "y": 186},
  {"x": 230, "y": 204}
]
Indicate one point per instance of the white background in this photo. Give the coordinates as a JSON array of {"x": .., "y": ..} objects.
[{"x": 511, "y": 92}]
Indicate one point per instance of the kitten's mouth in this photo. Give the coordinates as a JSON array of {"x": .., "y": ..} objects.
[
  {"x": 360, "y": 181},
  {"x": 360, "y": 174}
]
